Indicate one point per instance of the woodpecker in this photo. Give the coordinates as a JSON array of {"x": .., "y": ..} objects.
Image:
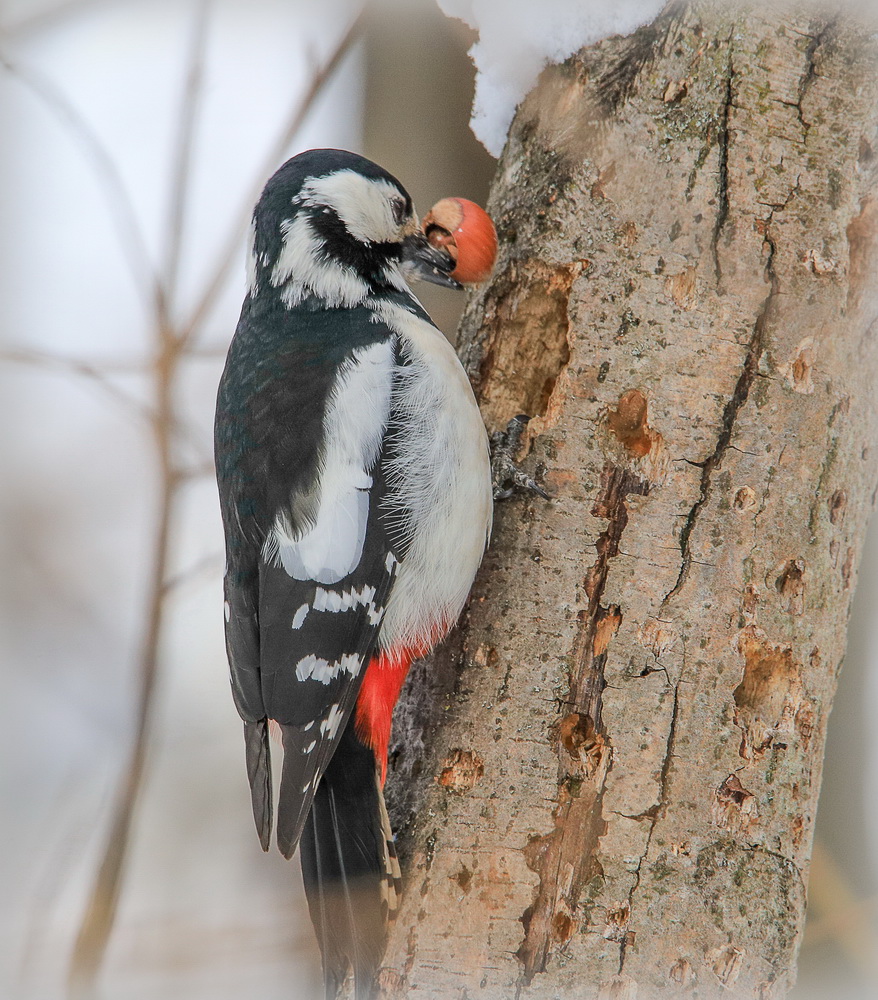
[{"x": 355, "y": 491}]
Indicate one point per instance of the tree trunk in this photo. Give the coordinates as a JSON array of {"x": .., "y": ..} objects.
[{"x": 606, "y": 780}]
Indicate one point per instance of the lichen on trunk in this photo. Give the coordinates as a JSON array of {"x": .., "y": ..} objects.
[{"x": 606, "y": 780}]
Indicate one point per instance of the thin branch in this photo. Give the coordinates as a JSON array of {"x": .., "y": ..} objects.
[
  {"x": 182, "y": 161},
  {"x": 100, "y": 911},
  {"x": 208, "y": 352},
  {"x": 94, "y": 372},
  {"x": 29, "y": 23},
  {"x": 171, "y": 348},
  {"x": 119, "y": 204},
  {"x": 292, "y": 125},
  {"x": 207, "y": 565},
  {"x": 106, "y": 366},
  {"x": 98, "y": 374}
]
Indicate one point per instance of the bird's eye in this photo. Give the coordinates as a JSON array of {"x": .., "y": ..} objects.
[{"x": 397, "y": 206}]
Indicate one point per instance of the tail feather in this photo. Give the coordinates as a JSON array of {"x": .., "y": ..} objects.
[
  {"x": 350, "y": 870},
  {"x": 258, "y": 756}
]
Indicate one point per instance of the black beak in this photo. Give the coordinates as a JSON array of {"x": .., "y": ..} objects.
[{"x": 424, "y": 261}]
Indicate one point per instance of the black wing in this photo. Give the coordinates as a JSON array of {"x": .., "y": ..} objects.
[{"x": 299, "y": 639}]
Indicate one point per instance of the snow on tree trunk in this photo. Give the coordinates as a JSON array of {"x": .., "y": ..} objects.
[{"x": 606, "y": 780}]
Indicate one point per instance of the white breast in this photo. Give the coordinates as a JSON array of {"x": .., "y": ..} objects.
[{"x": 440, "y": 482}]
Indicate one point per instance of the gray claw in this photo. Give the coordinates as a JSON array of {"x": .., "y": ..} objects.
[{"x": 505, "y": 474}]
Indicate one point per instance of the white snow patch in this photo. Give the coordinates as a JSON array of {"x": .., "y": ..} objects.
[{"x": 518, "y": 38}]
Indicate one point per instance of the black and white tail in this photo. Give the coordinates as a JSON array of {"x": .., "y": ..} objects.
[{"x": 350, "y": 868}]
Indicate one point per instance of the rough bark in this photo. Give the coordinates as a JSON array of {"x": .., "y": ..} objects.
[{"x": 607, "y": 778}]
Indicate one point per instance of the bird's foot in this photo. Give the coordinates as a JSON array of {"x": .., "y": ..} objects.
[{"x": 506, "y": 476}]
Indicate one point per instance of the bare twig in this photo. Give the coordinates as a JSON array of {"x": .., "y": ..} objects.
[
  {"x": 100, "y": 912},
  {"x": 29, "y": 23},
  {"x": 292, "y": 125},
  {"x": 183, "y": 159},
  {"x": 95, "y": 372},
  {"x": 171, "y": 347},
  {"x": 208, "y": 565},
  {"x": 110, "y": 180}
]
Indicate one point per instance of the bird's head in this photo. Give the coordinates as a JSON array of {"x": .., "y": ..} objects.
[{"x": 333, "y": 225}]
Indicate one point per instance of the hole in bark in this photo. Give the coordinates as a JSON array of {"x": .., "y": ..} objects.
[
  {"x": 802, "y": 366},
  {"x": 768, "y": 693},
  {"x": 734, "y": 808},
  {"x": 731, "y": 790},
  {"x": 607, "y": 625},
  {"x": 862, "y": 234},
  {"x": 837, "y": 506},
  {"x": 524, "y": 344},
  {"x": 750, "y": 600},
  {"x": 791, "y": 586},
  {"x": 628, "y": 422},
  {"x": 460, "y": 771},
  {"x": 745, "y": 498},
  {"x": 562, "y": 927},
  {"x": 464, "y": 878},
  {"x": 682, "y": 288},
  {"x": 576, "y": 732},
  {"x": 681, "y": 972}
]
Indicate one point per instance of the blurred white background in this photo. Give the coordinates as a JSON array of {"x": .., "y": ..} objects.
[{"x": 91, "y": 93}]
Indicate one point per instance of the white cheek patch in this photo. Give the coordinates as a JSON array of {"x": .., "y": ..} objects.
[
  {"x": 356, "y": 418},
  {"x": 303, "y": 269},
  {"x": 317, "y": 669}
]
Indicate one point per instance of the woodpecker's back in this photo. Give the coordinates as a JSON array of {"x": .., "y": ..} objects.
[{"x": 355, "y": 493}]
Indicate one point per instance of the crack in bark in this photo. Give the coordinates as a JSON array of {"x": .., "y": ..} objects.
[
  {"x": 565, "y": 859},
  {"x": 810, "y": 73},
  {"x": 722, "y": 212},
  {"x": 730, "y": 415},
  {"x": 587, "y": 676},
  {"x": 654, "y": 813}
]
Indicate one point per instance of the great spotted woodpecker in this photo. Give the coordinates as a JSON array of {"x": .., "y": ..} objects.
[{"x": 355, "y": 489}]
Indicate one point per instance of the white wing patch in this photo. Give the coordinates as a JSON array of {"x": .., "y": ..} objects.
[
  {"x": 356, "y": 418},
  {"x": 315, "y": 668},
  {"x": 334, "y": 600},
  {"x": 329, "y": 726}
]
